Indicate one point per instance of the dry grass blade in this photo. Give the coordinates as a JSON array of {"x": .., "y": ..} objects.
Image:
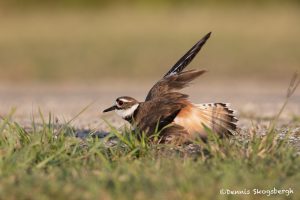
[
  {"x": 295, "y": 81},
  {"x": 75, "y": 117}
]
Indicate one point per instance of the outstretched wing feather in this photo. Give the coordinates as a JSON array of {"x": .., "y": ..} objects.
[
  {"x": 188, "y": 57},
  {"x": 175, "y": 78},
  {"x": 174, "y": 82}
]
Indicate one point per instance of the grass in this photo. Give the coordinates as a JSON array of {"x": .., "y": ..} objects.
[
  {"x": 41, "y": 166},
  {"x": 47, "y": 162}
]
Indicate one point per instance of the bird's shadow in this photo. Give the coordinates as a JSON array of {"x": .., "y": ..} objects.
[
  {"x": 71, "y": 131},
  {"x": 84, "y": 133}
]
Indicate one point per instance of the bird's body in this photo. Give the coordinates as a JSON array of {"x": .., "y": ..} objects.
[{"x": 170, "y": 112}]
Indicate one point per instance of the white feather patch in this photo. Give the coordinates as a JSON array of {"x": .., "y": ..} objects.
[
  {"x": 125, "y": 100},
  {"x": 128, "y": 112}
]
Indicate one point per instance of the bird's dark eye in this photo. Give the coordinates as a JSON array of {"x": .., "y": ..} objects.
[{"x": 120, "y": 103}]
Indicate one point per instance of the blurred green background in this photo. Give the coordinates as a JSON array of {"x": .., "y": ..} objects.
[{"x": 88, "y": 40}]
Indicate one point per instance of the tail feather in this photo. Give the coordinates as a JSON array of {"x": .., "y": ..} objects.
[
  {"x": 221, "y": 117},
  {"x": 226, "y": 117},
  {"x": 219, "y": 112},
  {"x": 216, "y": 116}
]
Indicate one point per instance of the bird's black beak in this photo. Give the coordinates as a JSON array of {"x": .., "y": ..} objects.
[{"x": 110, "y": 108}]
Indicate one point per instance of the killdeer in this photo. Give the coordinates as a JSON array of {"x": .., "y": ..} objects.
[{"x": 171, "y": 112}]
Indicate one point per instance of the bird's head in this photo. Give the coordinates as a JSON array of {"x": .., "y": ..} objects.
[{"x": 124, "y": 106}]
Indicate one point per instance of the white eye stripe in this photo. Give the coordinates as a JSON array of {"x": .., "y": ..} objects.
[
  {"x": 119, "y": 102},
  {"x": 125, "y": 100}
]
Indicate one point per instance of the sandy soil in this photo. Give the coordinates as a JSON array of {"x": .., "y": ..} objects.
[{"x": 255, "y": 103}]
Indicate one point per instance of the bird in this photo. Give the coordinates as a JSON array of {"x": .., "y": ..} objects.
[{"x": 170, "y": 112}]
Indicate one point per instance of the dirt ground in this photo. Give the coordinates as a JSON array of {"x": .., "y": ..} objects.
[{"x": 255, "y": 103}]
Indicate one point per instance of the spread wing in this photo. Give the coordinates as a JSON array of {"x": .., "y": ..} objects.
[
  {"x": 175, "y": 79},
  {"x": 162, "y": 103},
  {"x": 173, "y": 82},
  {"x": 188, "y": 57}
]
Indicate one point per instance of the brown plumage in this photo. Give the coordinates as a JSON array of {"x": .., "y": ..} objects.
[{"x": 171, "y": 112}]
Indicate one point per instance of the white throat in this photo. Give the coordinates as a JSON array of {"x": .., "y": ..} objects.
[{"x": 128, "y": 112}]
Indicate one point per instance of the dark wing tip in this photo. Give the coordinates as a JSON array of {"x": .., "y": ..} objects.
[
  {"x": 202, "y": 41},
  {"x": 188, "y": 56},
  {"x": 207, "y": 36}
]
